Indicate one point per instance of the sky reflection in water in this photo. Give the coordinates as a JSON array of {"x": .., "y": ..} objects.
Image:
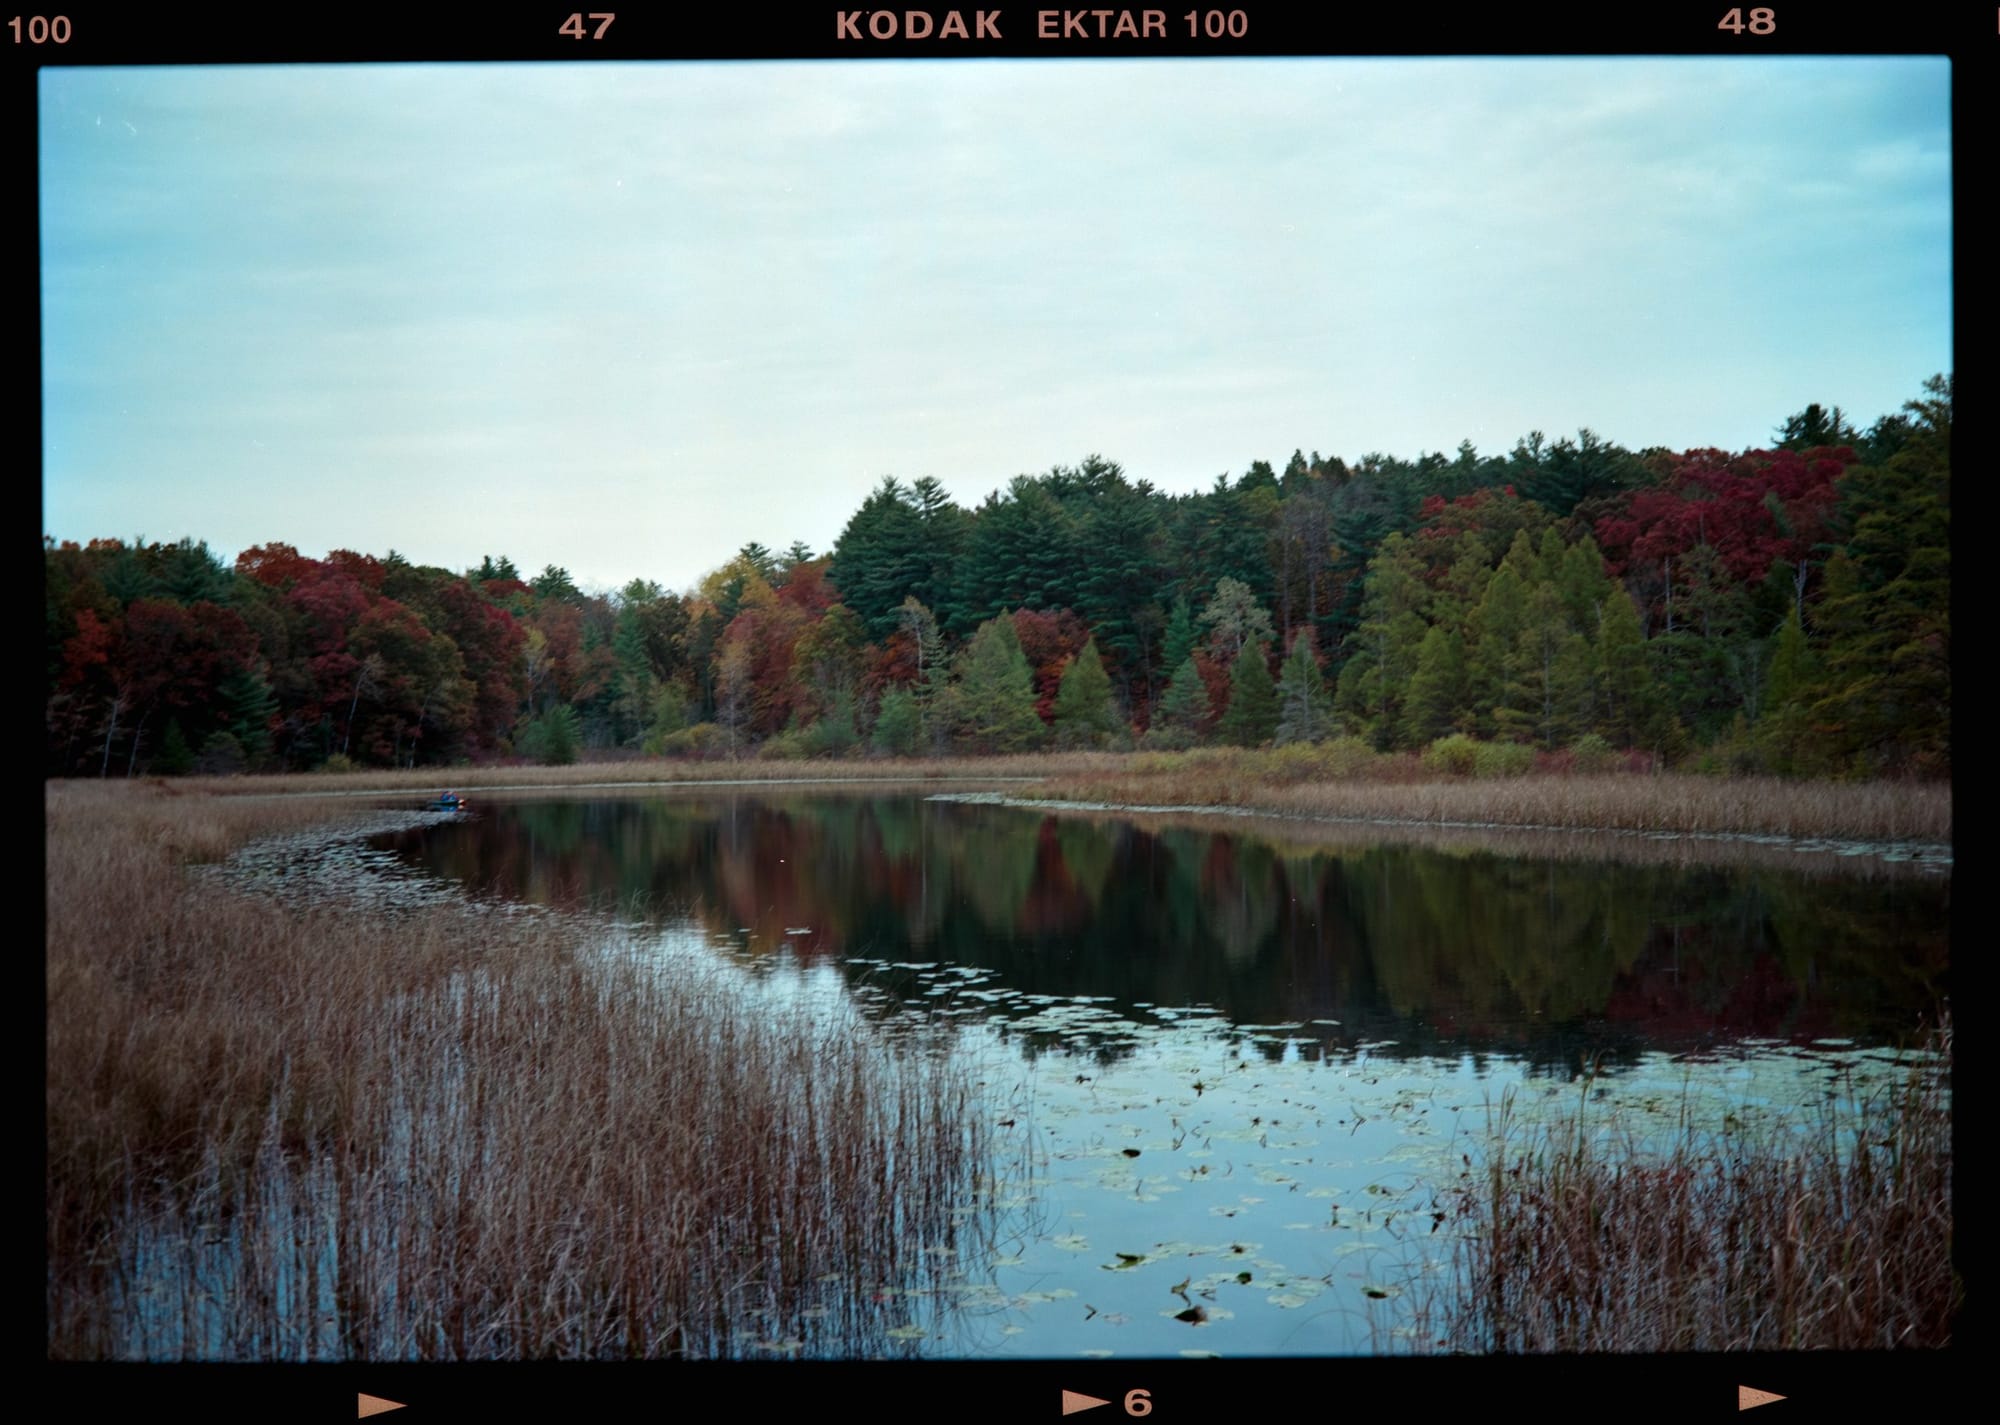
[{"x": 1233, "y": 1071}]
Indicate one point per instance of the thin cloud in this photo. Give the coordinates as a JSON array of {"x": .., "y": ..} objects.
[{"x": 627, "y": 318}]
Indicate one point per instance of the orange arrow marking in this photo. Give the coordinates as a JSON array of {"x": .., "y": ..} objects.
[
  {"x": 1748, "y": 1399},
  {"x": 376, "y": 1405},
  {"x": 1072, "y": 1402}
]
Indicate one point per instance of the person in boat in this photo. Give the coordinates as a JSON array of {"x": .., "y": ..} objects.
[{"x": 448, "y": 799}]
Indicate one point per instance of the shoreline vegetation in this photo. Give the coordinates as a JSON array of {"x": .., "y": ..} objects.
[
  {"x": 293, "y": 1136},
  {"x": 1342, "y": 780},
  {"x": 336, "y": 1131},
  {"x": 1835, "y": 1234},
  {"x": 1780, "y": 611}
]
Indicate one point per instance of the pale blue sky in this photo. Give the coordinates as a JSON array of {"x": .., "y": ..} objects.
[{"x": 626, "y": 318}]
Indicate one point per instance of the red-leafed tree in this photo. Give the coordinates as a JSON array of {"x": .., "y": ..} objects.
[
  {"x": 490, "y": 642},
  {"x": 829, "y": 661},
  {"x": 410, "y": 689},
  {"x": 1215, "y": 678},
  {"x": 83, "y": 685},
  {"x": 892, "y": 663},
  {"x": 1050, "y": 638},
  {"x": 763, "y": 636},
  {"x": 278, "y": 565},
  {"x": 1754, "y": 510},
  {"x": 365, "y": 569},
  {"x": 578, "y": 668},
  {"x": 163, "y": 661},
  {"x": 808, "y": 589},
  {"x": 329, "y": 603},
  {"x": 1491, "y": 518}
]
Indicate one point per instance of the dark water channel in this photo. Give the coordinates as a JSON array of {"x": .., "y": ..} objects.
[{"x": 1234, "y": 1054}]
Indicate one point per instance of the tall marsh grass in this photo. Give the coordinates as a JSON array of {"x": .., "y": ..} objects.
[
  {"x": 1343, "y": 779},
  {"x": 651, "y": 770},
  {"x": 1463, "y": 782},
  {"x": 1833, "y": 1237},
  {"x": 443, "y": 1133}
]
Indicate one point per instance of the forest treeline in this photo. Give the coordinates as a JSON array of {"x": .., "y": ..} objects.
[{"x": 1780, "y": 610}]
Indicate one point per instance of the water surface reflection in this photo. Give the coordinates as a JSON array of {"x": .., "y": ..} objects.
[{"x": 1232, "y": 1065}]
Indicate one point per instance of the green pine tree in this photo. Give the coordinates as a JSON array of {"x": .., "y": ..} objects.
[
  {"x": 898, "y": 725},
  {"x": 1253, "y": 700},
  {"x": 249, "y": 707},
  {"x": 1180, "y": 636},
  {"x": 1119, "y": 583},
  {"x": 880, "y": 557},
  {"x": 833, "y": 733},
  {"x": 1547, "y": 661},
  {"x": 1583, "y": 583},
  {"x": 1437, "y": 690},
  {"x": 1303, "y": 714},
  {"x": 1573, "y": 690},
  {"x": 1784, "y": 731},
  {"x": 1497, "y": 657},
  {"x": 1235, "y": 618},
  {"x": 932, "y": 688},
  {"x": 1377, "y": 675},
  {"x": 1633, "y": 713},
  {"x": 1184, "y": 706},
  {"x": 633, "y": 683},
  {"x": 1085, "y": 716},
  {"x": 176, "y": 757},
  {"x": 994, "y": 695},
  {"x": 553, "y": 737},
  {"x": 1884, "y": 621}
]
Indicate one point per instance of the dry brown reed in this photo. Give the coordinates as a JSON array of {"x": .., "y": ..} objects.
[
  {"x": 1308, "y": 781},
  {"x": 1338, "y": 779},
  {"x": 657, "y": 770},
  {"x": 283, "y": 1133},
  {"x": 1833, "y": 1237}
]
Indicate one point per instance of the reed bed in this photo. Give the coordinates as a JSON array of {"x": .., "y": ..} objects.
[
  {"x": 337, "y": 1132},
  {"x": 1338, "y": 779},
  {"x": 660, "y": 770},
  {"x": 1398, "y": 790},
  {"x": 1837, "y": 1236}
]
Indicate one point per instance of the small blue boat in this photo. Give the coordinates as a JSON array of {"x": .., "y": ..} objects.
[{"x": 446, "y": 801}]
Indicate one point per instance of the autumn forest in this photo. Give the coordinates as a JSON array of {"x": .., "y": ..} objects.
[{"x": 1779, "y": 610}]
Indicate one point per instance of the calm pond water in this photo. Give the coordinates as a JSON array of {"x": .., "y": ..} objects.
[{"x": 1232, "y": 1058}]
